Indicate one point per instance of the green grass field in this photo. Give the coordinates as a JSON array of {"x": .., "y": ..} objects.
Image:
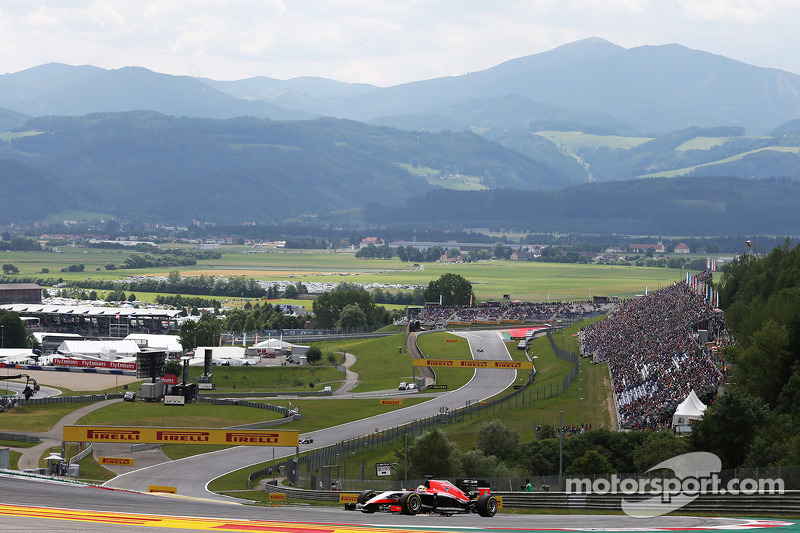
[
  {"x": 686, "y": 170},
  {"x": 577, "y": 139},
  {"x": 523, "y": 280}
]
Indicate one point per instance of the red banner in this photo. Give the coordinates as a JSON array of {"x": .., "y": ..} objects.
[{"x": 88, "y": 363}]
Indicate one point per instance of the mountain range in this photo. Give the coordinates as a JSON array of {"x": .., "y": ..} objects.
[
  {"x": 263, "y": 150},
  {"x": 646, "y": 90}
]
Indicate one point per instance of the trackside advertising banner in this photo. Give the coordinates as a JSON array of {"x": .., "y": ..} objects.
[
  {"x": 132, "y": 435},
  {"x": 85, "y": 363},
  {"x": 449, "y": 363}
]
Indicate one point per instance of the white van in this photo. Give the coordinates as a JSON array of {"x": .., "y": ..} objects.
[{"x": 402, "y": 385}]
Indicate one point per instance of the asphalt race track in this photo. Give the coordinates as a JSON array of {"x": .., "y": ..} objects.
[
  {"x": 43, "y": 505},
  {"x": 34, "y": 504},
  {"x": 191, "y": 475}
]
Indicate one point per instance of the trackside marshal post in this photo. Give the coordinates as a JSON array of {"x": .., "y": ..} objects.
[{"x": 150, "y": 435}]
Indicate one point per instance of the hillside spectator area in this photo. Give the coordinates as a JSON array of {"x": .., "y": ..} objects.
[{"x": 656, "y": 350}]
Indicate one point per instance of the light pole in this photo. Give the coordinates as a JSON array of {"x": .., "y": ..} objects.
[
  {"x": 750, "y": 244},
  {"x": 2, "y": 336}
]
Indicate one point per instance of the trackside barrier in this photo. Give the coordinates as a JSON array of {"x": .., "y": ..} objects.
[
  {"x": 761, "y": 504},
  {"x": 81, "y": 454},
  {"x": 19, "y": 437},
  {"x": 70, "y": 399}
]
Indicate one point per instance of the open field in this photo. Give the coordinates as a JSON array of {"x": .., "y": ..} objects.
[
  {"x": 522, "y": 280},
  {"x": 577, "y": 139},
  {"x": 686, "y": 170}
]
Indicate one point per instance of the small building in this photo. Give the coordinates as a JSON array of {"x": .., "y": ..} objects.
[
  {"x": 20, "y": 293},
  {"x": 682, "y": 248},
  {"x": 657, "y": 248}
]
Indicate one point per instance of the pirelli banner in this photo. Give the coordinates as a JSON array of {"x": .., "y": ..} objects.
[
  {"x": 137, "y": 435},
  {"x": 475, "y": 363}
]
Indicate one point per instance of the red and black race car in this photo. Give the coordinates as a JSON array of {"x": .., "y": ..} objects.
[{"x": 435, "y": 496}]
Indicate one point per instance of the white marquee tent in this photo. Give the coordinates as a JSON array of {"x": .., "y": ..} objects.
[{"x": 689, "y": 409}]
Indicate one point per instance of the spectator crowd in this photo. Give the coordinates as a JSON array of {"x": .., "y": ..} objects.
[{"x": 653, "y": 356}]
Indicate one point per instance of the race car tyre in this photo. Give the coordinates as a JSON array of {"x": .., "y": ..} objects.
[
  {"x": 410, "y": 503},
  {"x": 366, "y": 495},
  {"x": 487, "y": 505}
]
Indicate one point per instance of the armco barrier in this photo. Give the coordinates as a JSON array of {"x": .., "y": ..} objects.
[
  {"x": 19, "y": 437},
  {"x": 760, "y": 504}
]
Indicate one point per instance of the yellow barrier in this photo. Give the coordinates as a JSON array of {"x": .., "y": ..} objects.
[
  {"x": 159, "y": 488},
  {"x": 131, "y": 435},
  {"x": 475, "y": 363},
  {"x": 124, "y": 461}
]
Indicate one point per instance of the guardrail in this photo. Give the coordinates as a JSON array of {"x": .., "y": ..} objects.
[
  {"x": 19, "y": 437},
  {"x": 767, "y": 504},
  {"x": 81, "y": 454},
  {"x": 70, "y": 399}
]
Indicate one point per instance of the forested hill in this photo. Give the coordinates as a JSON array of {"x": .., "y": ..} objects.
[
  {"x": 149, "y": 166},
  {"x": 678, "y": 206}
]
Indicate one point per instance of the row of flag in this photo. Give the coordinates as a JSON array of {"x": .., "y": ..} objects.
[{"x": 703, "y": 289}]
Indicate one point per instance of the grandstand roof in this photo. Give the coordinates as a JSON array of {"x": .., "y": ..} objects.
[{"x": 89, "y": 310}]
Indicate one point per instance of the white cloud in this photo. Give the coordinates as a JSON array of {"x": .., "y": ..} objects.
[{"x": 377, "y": 41}]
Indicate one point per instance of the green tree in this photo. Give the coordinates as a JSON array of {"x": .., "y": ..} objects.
[
  {"x": 729, "y": 426},
  {"x": 290, "y": 293},
  {"x": 188, "y": 334},
  {"x": 14, "y": 333},
  {"x": 761, "y": 368},
  {"x": 453, "y": 289},
  {"x": 496, "y": 438},
  {"x": 329, "y": 305},
  {"x": 432, "y": 454},
  {"x": 173, "y": 367},
  {"x": 313, "y": 355},
  {"x": 657, "y": 448},
  {"x": 351, "y": 316},
  {"x": 250, "y": 323},
  {"x": 208, "y": 330},
  {"x": 592, "y": 462},
  {"x": 8, "y": 268}
]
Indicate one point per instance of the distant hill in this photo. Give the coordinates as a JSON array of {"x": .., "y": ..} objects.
[
  {"x": 680, "y": 206},
  {"x": 644, "y": 90},
  {"x": 148, "y": 166},
  {"x": 30, "y": 194}
]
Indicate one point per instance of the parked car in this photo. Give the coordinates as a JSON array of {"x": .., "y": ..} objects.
[{"x": 129, "y": 396}]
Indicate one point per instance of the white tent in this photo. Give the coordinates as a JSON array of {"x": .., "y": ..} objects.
[
  {"x": 168, "y": 343},
  {"x": 106, "y": 350},
  {"x": 689, "y": 409}
]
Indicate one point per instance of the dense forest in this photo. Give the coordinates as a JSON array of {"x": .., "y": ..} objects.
[{"x": 677, "y": 206}]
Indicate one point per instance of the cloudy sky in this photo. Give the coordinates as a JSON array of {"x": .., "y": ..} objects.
[{"x": 375, "y": 41}]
